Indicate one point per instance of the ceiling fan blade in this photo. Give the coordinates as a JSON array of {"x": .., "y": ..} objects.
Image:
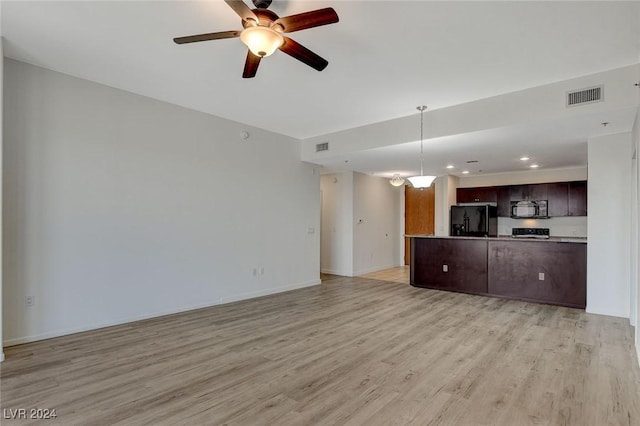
[
  {"x": 305, "y": 20},
  {"x": 251, "y": 65},
  {"x": 301, "y": 53},
  {"x": 207, "y": 36},
  {"x": 242, "y": 10}
]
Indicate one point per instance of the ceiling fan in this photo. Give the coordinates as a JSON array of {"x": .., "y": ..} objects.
[{"x": 263, "y": 33}]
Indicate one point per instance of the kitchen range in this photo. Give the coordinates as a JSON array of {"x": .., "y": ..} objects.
[{"x": 541, "y": 233}]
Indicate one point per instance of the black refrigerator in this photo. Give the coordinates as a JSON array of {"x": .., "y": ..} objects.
[{"x": 474, "y": 221}]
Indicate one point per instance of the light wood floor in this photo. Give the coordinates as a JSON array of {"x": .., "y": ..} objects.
[
  {"x": 396, "y": 275},
  {"x": 351, "y": 351}
]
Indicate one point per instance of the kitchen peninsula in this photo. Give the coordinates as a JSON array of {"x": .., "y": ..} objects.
[{"x": 547, "y": 271}]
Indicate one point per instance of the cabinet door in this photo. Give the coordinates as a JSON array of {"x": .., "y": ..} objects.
[
  {"x": 464, "y": 195},
  {"x": 578, "y": 198},
  {"x": 540, "y": 271},
  {"x": 528, "y": 192},
  {"x": 538, "y": 191},
  {"x": 558, "y": 194},
  {"x": 518, "y": 192},
  {"x": 475, "y": 195},
  {"x": 449, "y": 264},
  {"x": 504, "y": 201}
]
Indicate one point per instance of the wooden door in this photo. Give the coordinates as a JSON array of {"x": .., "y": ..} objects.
[{"x": 419, "y": 207}]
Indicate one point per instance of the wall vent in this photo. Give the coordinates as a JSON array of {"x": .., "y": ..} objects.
[
  {"x": 324, "y": 146},
  {"x": 585, "y": 96}
]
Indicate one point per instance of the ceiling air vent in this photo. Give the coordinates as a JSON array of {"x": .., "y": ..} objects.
[
  {"x": 324, "y": 146},
  {"x": 585, "y": 96}
]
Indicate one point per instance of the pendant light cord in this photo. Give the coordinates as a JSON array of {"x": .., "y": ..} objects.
[{"x": 421, "y": 109}]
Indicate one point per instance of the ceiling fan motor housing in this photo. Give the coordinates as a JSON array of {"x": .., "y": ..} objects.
[
  {"x": 265, "y": 17},
  {"x": 262, "y": 4}
]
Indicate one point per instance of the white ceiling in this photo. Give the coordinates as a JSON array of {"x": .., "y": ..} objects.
[{"x": 385, "y": 57}]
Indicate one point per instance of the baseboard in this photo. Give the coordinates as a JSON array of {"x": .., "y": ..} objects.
[
  {"x": 96, "y": 326},
  {"x": 266, "y": 292},
  {"x": 336, "y": 272},
  {"x": 589, "y": 310}
]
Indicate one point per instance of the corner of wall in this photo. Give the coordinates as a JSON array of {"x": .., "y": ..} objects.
[
  {"x": 445, "y": 198},
  {"x": 1, "y": 174}
]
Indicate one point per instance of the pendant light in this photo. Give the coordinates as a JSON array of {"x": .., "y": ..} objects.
[
  {"x": 421, "y": 181},
  {"x": 397, "y": 180}
]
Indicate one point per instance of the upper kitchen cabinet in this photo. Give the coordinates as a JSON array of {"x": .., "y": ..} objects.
[
  {"x": 558, "y": 196},
  {"x": 486, "y": 194},
  {"x": 577, "y": 198},
  {"x": 504, "y": 205},
  {"x": 565, "y": 198},
  {"x": 528, "y": 192}
]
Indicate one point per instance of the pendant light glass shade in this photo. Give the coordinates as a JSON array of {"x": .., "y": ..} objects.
[
  {"x": 397, "y": 180},
  {"x": 421, "y": 181},
  {"x": 262, "y": 41}
]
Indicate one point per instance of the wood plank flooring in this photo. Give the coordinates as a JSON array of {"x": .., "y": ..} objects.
[
  {"x": 396, "y": 275},
  {"x": 352, "y": 351}
]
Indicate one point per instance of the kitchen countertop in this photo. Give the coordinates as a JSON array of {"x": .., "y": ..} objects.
[{"x": 505, "y": 238}]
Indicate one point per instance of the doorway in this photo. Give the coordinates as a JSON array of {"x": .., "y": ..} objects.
[{"x": 419, "y": 214}]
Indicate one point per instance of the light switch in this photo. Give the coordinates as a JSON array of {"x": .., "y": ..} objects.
[
  {"x": 540, "y": 276},
  {"x": 445, "y": 268}
]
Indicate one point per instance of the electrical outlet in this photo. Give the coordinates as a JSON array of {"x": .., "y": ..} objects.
[
  {"x": 540, "y": 276},
  {"x": 29, "y": 301},
  {"x": 445, "y": 268}
]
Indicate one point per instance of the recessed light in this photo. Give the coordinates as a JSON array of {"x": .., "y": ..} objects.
[
  {"x": 450, "y": 166},
  {"x": 524, "y": 158},
  {"x": 465, "y": 172},
  {"x": 534, "y": 166}
]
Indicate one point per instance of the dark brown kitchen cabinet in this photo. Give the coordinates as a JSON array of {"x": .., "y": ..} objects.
[
  {"x": 565, "y": 198},
  {"x": 558, "y": 196},
  {"x": 485, "y": 194},
  {"x": 537, "y": 271},
  {"x": 548, "y": 272},
  {"x": 449, "y": 264},
  {"x": 577, "y": 198},
  {"x": 528, "y": 192},
  {"x": 504, "y": 205}
]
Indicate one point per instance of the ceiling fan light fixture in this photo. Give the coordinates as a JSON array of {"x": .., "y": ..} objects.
[
  {"x": 397, "y": 180},
  {"x": 262, "y": 41}
]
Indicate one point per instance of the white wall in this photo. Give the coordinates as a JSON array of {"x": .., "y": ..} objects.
[
  {"x": 445, "y": 197},
  {"x": 635, "y": 263},
  {"x": 361, "y": 224},
  {"x": 525, "y": 177},
  {"x": 633, "y": 270},
  {"x": 609, "y": 222},
  {"x": 376, "y": 211},
  {"x": 1, "y": 173},
  {"x": 120, "y": 207},
  {"x": 336, "y": 244},
  {"x": 537, "y": 104}
]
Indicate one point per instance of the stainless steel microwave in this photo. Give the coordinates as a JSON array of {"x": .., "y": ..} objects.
[{"x": 530, "y": 209}]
